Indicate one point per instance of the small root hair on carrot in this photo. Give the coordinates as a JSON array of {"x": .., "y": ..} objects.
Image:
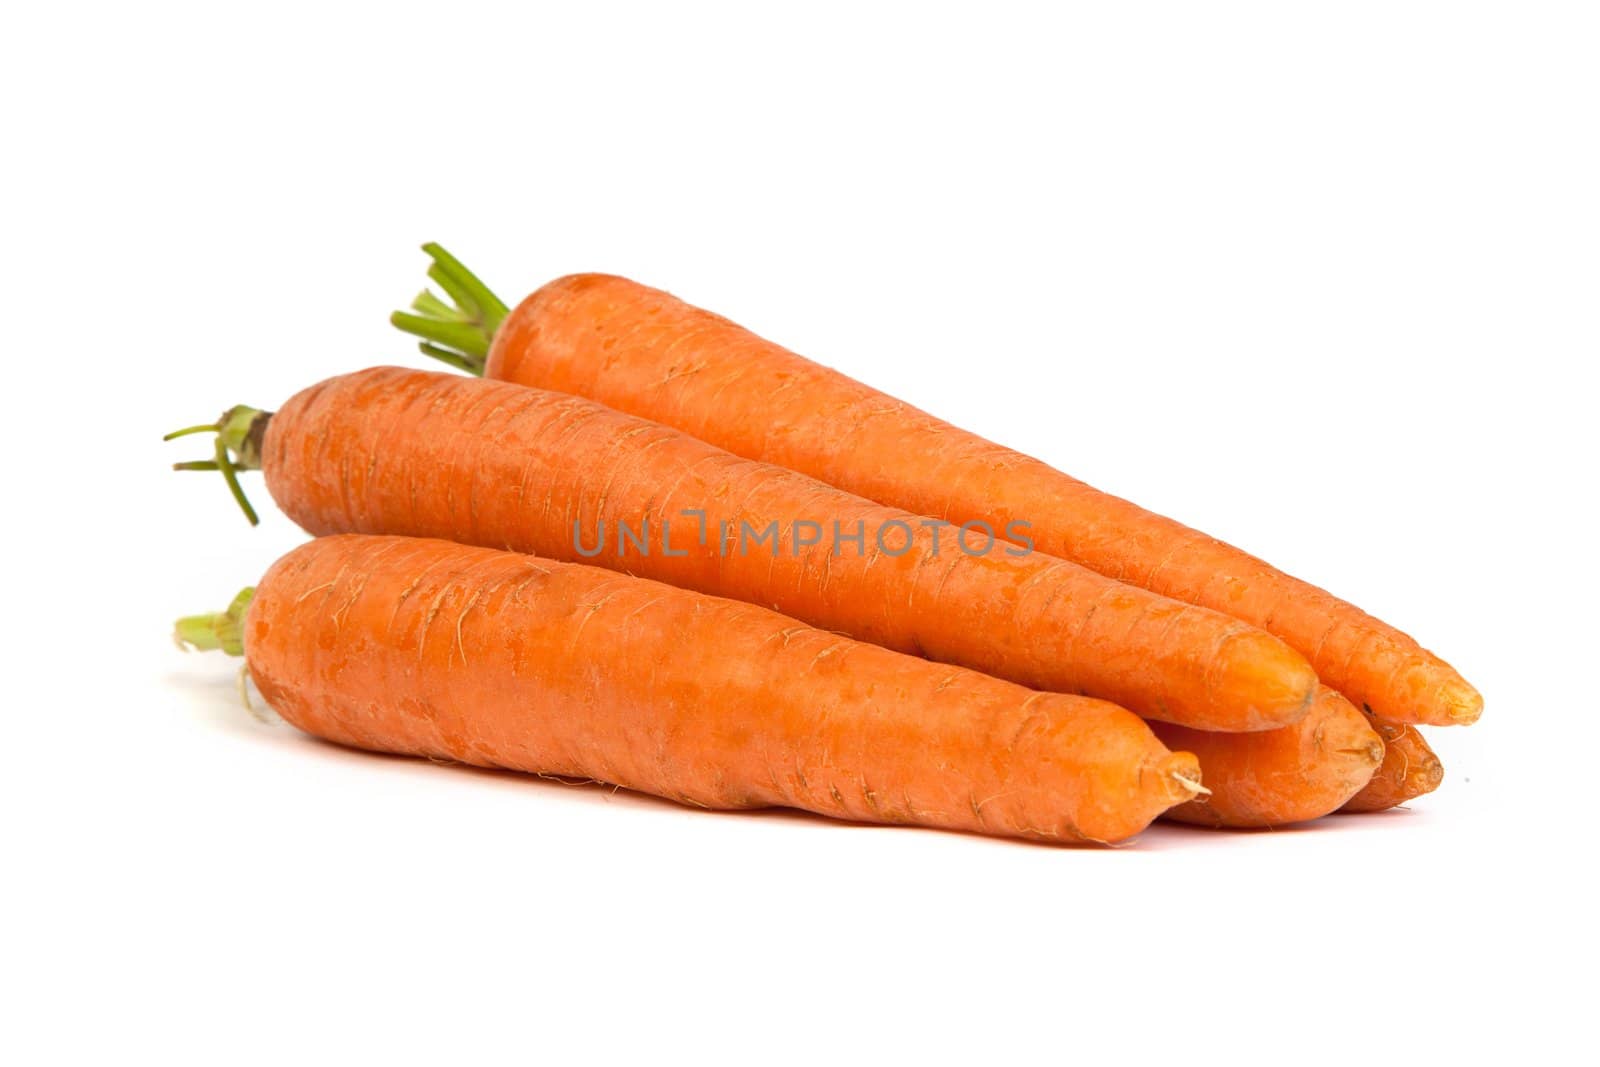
[{"x": 256, "y": 713}]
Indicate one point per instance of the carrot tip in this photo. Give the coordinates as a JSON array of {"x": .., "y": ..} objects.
[
  {"x": 1467, "y": 710},
  {"x": 1266, "y": 683},
  {"x": 1180, "y": 771}
]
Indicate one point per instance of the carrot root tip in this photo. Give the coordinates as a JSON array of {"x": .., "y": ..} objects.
[{"x": 1466, "y": 711}]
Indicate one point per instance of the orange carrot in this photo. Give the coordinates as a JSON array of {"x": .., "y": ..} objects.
[
  {"x": 1410, "y": 769},
  {"x": 1275, "y": 777},
  {"x": 436, "y": 455},
  {"x": 648, "y": 353},
  {"x": 431, "y": 648}
]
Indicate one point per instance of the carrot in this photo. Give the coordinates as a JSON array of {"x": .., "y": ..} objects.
[
  {"x": 436, "y": 455},
  {"x": 1410, "y": 769},
  {"x": 431, "y": 648},
  {"x": 648, "y": 353},
  {"x": 1282, "y": 776}
]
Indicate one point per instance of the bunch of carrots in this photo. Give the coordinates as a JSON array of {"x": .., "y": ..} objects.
[{"x": 815, "y": 595}]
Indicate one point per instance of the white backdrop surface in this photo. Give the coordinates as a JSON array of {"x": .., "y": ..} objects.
[{"x": 1318, "y": 279}]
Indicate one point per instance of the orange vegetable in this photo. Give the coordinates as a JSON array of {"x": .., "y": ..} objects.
[
  {"x": 1410, "y": 769},
  {"x": 430, "y": 648},
  {"x": 648, "y": 353},
  {"x": 1288, "y": 775},
  {"x": 436, "y": 455}
]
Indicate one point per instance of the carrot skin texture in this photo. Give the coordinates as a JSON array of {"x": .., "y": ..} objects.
[
  {"x": 496, "y": 659},
  {"x": 1276, "y": 777},
  {"x": 648, "y": 353},
  {"x": 1410, "y": 769},
  {"x": 392, "y": 451}
]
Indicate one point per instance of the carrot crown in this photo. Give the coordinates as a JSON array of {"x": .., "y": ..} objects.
[
  {"x": 221, "y": 631},
  {"x": 459, "y": 330},
  {"x": 239, "y": 432}
]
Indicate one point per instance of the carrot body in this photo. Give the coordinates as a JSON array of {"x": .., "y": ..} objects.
[
  {"x": 648, "y": 353},
  {"x": 430, "y": 648},
  {"x": 1409, "y": 770},
  {"x": 1275, "y": 777},
  {"x": 437, "y": 455}
]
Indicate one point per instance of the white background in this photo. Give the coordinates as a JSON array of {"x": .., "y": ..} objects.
[{"x": 1320, "y": 279}]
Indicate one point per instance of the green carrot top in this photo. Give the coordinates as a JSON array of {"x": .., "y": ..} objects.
[{"x": 457, "y": 331}]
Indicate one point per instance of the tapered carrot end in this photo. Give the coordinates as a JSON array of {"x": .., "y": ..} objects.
[
  {"x": 1430, "y": 693},
  {"x": 1276, "y": 777},
  {"x": 1260, "y": 683},
  {"x": 1410, "y": 769},
  {"x": 1136, "y": 792},
  {"x": 1431, "y": 777},
  {"x": 1463, "y": 704},
  {"x": 1180, "y": 773}
]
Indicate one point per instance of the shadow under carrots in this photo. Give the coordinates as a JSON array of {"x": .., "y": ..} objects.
[{"x": 215, "y": 701}]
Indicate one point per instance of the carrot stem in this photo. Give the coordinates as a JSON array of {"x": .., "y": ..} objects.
[
  {"x": 433, "y": 307},
  {"x": 231, "y": 476},
  {"x": 480, "y": 295},
  {"x": 460, "y": 331},
  {"x": 445, "y": 355},
  {"x": 218, "y": 631},
  {"x": 468, "y": 338},
  {"x": 240, "y": 432},
  {"x": 209, "y": 427},
  {"x": 456, "y": 291}
]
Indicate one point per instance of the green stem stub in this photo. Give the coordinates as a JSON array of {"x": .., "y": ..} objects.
[
  {"x": 240, "y": 433},
  {"x": 458, "y": 330},
  {"x": 221, "y": 631}
]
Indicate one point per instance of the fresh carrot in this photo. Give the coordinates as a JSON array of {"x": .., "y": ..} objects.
[
  {"x": 1276, "y": 777},
  {"x": 391, "y": 451},
  {"x": 650, "y": 354},
  {"x": 495, "y": 659},
  {"x": 1410, "y": 769}
]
